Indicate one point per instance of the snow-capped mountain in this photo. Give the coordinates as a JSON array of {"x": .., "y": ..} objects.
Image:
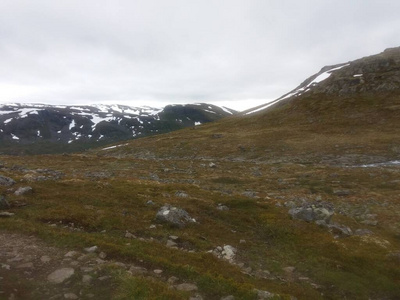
[{"x": 31, "y": 123}]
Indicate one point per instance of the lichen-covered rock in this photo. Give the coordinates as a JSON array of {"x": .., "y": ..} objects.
[
  {"x": 174, "y": 216},
  {"x": 312, "y": 212},
  {"x": 6, "y": 181}
]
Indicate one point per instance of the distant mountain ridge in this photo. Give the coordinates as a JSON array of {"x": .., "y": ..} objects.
[{"x": 29, "y": 124}]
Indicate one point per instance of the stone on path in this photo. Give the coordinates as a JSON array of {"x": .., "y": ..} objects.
[{"x": 60, "y": 275}]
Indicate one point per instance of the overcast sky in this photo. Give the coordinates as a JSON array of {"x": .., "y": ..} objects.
[{"x": 237, "y": 53}]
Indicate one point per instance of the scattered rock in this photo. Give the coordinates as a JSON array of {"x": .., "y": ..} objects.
[
  {"x": 129, "y": 235},
  {"x": 263, "y": 294},
  {"x": 87, "y": 279},
  {"x": 250, "y": 194},
  {"x": 212, "y": 165},
  {"x": 227, "y": 252},
  {"x": 153, "y": 226},
  {"x": 6, "y": 181},
  {"x": 28, "y": 265},
  {"x": 137, "y": 270},
  {"x": 173, "y": 237},
  {"x": 23, "y": 190},
  {"x": 70, "y": 296},
  {"x": 71, "y": 254},
  {"x": 172, "y": 280},
  {"x": 45, "y": 259},
  {"x": 6, "y": 214},
  {"x": 174, "y": 216},
  {"x": 370, "y": 222},
  {"x": 222, "y": 207},
  {"x": 311, "y": 212},
  {"x": 181, "y": 194},
  {"x": 102, "y": 255},
  {"x": 342, "y": 193},
  {"x": 60, "y": 275},
  {"x": 157, "y": 271},
  {"x": 3, "y": 203},
  {"x": 187, "y": 287},
  {"x": 150, "y": 202},
  {"x": 91, "y": 249},
  {"x": 340, "y": 229},
  {"x": 230, "y": 297},
  {"x": 363, "y": 232},
  {"x": 171, "y": 244}
]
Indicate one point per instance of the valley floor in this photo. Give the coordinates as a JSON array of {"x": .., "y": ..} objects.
[{"x": 341, "y": 239}]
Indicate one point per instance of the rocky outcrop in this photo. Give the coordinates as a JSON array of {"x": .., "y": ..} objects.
[
  {"x": 174, "y": 216},
  {"x": 320, "y": 212}
]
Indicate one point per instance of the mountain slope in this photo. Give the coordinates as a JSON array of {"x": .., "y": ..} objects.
[
  {"x": 86, "y": 126},
  {"x": 346, "y": 117}
]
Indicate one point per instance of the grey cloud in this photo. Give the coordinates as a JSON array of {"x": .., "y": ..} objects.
[{"x": 181, "y": 51}]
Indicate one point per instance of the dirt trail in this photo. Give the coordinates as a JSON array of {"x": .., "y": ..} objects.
[{"x": 28, "y": 265}]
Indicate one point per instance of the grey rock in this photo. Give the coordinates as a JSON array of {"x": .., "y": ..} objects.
[
  {"x": 71, "y": 254},
  {"x": 45, "y": 259},
  {"x": 227, "y": 252},
  {"x": 150, "y": 202},
  {"x": 311, "y": 212},
  {"x": 6, "y": 181},
  {"x": 23, "y": 190},
  {"x": 212, "y": 165},
  {"x": 157, "y": 271},
  {"x": 174, "y": 216},
  {"x": 86, "y": 279},
  {"x": 3, "y": 203},
  {"x": 230, "y": 297},
  {"x": 187, "y": 287},
  {"x": 172, "y": 280},
  {"x": 60, "y": 275}
]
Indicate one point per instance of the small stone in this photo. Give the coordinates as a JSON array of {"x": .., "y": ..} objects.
[
  {"x": 152, "y": 226},
  {"x": 230, "y": 297},
  {"x": 102, "y": 278},
  {"x": 243, "y": 241},
  {"x": 70, "y": 296},
  {"x": 363, "y": 232},
  {"x": 171, "y": 244},
  {"x": 71, "y": 254},
  {"x": 158, "y": 271},
  {"x": 60, "y": 275},
  {"x": 150, "y": 202},
  {"x": 187, "y": 287},
  {"x": 86, "y": 279},
  {"x": 370, "y": 222},
  {"x": 102, "y": 255},
  {"x": 6, "y": 181},
  {"x": 45, "y": 259},
  {"x": 4, "y": 266},
  {"x": 23, "y": 190},
  {"x": 289, "y": 269},
  {"x": 212, "y": 165},
  {"x": 129, "y": 235},
  {"x": 137, "y": 270},
  {"x": 263, "y": 294},
  {"x": 91, "y": 249},
  {"x": 172, "y": 280},
  {"x": 173, "y": 237},
  {"x": 28, "y": 265}
]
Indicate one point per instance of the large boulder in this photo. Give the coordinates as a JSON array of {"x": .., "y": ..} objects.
[
  {"x": 174, "y": 216},
  {"x": 320, "y": 212},
  {"x": 6, "y": 181}
]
